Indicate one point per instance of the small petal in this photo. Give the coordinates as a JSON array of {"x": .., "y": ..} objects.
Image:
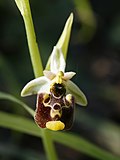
[
  {"x": 68, "y": 75},
  {"x": 79, "y": 96},
  {"x": 57, "y": 61},
  {"x": 35, "y": 86},
  {"x": 50, "y": 75}
]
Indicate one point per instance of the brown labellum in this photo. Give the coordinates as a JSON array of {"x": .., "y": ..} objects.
[{"x": 56, "y": 106}]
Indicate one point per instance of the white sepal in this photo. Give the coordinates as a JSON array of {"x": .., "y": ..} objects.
[
  {"x": 57, "y": 61},
  {"x": 63, "y": 41},
  {"x": 36, "y": 86},
  {"x": 79, "y": 96}
]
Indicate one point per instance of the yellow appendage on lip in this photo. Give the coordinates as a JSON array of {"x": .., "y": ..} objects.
[{"x": 55, "y": 125}]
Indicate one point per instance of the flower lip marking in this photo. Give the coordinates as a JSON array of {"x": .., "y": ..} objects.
[{"x": 55, "y": 110}]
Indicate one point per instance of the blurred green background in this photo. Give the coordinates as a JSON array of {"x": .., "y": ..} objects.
[{"x": 94, "y": 54}]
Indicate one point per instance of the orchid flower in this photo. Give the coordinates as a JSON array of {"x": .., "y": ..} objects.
[{"x": 56, "y": 95}]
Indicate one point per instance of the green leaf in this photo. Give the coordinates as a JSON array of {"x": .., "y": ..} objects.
[
  {"x": 9, "y": 97},
  {"x": 20, "y": 124},
  {"x": 24, "y": 125},
  {"x": 27, "y": 126},
  {"x": 82, "y": 145}
]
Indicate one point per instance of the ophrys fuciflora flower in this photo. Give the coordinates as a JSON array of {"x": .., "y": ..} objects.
[{"x": 56, "y": 95}]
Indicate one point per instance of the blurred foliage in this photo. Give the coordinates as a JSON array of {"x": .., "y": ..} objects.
[{"x": 96, "y": 61}]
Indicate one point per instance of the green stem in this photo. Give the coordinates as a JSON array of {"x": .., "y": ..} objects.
[
  {"x": 25, "y": 11},
  {"x": 24, "y": 8},
  {"x": 33, "y": 47},
  {"x": 48, "y": 145}
]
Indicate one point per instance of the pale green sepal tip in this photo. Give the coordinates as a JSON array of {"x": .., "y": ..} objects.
[
  {"x": 35, "y": 86},
  {"x": 63, "y": 41},
  {"x": 79, "y": 96}
]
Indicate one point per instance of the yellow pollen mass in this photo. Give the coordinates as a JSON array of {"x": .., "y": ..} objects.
[{"x": 55, "y": 125}]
